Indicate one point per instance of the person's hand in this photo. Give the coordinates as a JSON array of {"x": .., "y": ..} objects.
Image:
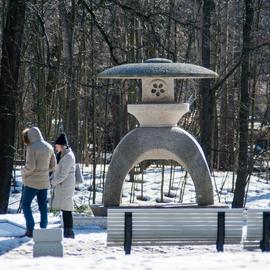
[
  {"x": 53, "y": 185},
  {"x": 51, "y": 181}
]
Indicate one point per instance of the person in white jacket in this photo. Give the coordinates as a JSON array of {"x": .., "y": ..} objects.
[
  {"x": 63, "y": 184},
  {"x": 40, "y": 161}
]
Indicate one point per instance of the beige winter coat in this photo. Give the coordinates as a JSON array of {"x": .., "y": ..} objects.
[
  {"x": 63, "y": 182},
  {"x": 40, "y": 160}
]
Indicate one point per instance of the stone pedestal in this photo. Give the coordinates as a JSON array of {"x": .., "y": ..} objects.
[{"x": 48, "y": 242}]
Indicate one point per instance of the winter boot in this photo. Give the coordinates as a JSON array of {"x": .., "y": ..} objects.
[
  {"x": 68, "y": 233},
  {"x": 28, "y": 233}
]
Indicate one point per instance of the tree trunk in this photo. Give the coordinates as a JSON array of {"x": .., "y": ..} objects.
[
  {"x": 207, "y": 96},
  {"x": 223, "y": 133},
  {"x": 11, "y": 49},
  {"x": 242, "y": 171},
  {"x": 3, "y": 15},
  {"x": 227, "y": 126},
  {"x": 51, "y": 84},
  {"x": 71, "y": 119}
]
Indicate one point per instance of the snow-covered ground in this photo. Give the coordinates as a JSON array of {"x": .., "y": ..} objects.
[
  {"x": 258, "y": 193},
  {"x": 89, "y": 250}
]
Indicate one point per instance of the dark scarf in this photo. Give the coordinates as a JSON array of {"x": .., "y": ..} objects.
[{"x": 58, "y": 157}]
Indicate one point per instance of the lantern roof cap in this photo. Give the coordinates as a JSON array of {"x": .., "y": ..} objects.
[{"x": 158, "y": 68}]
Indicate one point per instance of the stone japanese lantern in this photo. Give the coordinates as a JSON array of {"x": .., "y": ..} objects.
[{"x": 158, "y": 136}]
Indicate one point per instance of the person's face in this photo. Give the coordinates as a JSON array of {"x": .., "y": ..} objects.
[{"x": 59, "y": 148}]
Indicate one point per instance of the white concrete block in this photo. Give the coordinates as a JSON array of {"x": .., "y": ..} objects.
[
  {"x": 48, "y": 242},
  {"x": 54, "y": 249},
  {"x": 47, "y": 235}
]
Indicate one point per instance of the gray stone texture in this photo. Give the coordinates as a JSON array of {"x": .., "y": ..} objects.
[
  {"x": 158, "y": 115},
  {"x": 158, "y": 90},
  {"x": 157, "y": 70},
  {"x": 48, "y": 242},
  {"x": 145, "y": 143}
]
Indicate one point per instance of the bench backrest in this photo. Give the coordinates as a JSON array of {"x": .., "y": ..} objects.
[
  {"x": 173, "y": 225},
  {"x": 255, "y": 224}
]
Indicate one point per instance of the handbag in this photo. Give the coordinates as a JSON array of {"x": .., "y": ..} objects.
[{"x": 78, "y": 175}]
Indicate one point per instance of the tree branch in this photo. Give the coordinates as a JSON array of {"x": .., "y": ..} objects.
[{"x": 102, "y": 31}]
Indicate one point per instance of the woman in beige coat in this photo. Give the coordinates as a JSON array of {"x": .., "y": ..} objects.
[
  {"x": 40, "y": 160},
  {"x": 63, "y": 184}
]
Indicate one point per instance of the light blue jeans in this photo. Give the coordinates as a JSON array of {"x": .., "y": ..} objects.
[{"x": 28, "y": 196}]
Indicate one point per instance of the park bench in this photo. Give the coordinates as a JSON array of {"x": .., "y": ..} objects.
[
  {"x": 173, "y": 226},
  {"x": 257, "y": 229}
]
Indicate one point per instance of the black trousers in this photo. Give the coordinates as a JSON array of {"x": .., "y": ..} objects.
[{"x": 67, "y": 219}]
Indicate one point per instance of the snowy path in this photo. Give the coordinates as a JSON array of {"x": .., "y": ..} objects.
[{"x": 89, "y": 251}]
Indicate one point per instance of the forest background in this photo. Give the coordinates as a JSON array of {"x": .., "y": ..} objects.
[{"x": 52, "y": 52}]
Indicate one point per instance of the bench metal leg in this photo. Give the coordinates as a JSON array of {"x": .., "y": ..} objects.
[
  {"x": 128, "y": 233},
  {"x": 266, "y": 232},
  {"x": 220, "y": 231}
]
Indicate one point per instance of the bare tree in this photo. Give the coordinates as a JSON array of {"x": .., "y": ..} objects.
[
  {"x": 242, "y": 172},
  {"x": 207, "y": 94},
  {"x": 11, "y": 51},
  {"x": 67, "y": 24}
]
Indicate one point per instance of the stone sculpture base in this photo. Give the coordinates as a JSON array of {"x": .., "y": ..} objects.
[{"x": 169, "y": 143}]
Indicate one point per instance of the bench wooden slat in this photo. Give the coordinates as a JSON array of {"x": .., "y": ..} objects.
[
  {"x": 184, "y": 240},
  {"x": 182, "y": 222},
  {"x": 176, "y": 210},
  {"x": 161, "y": 243},
  {"x": 186, "y": 233},
  {"x": 184, "y": 218}
]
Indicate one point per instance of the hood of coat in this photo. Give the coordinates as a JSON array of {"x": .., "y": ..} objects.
[{"x": 34, "y": 135}]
